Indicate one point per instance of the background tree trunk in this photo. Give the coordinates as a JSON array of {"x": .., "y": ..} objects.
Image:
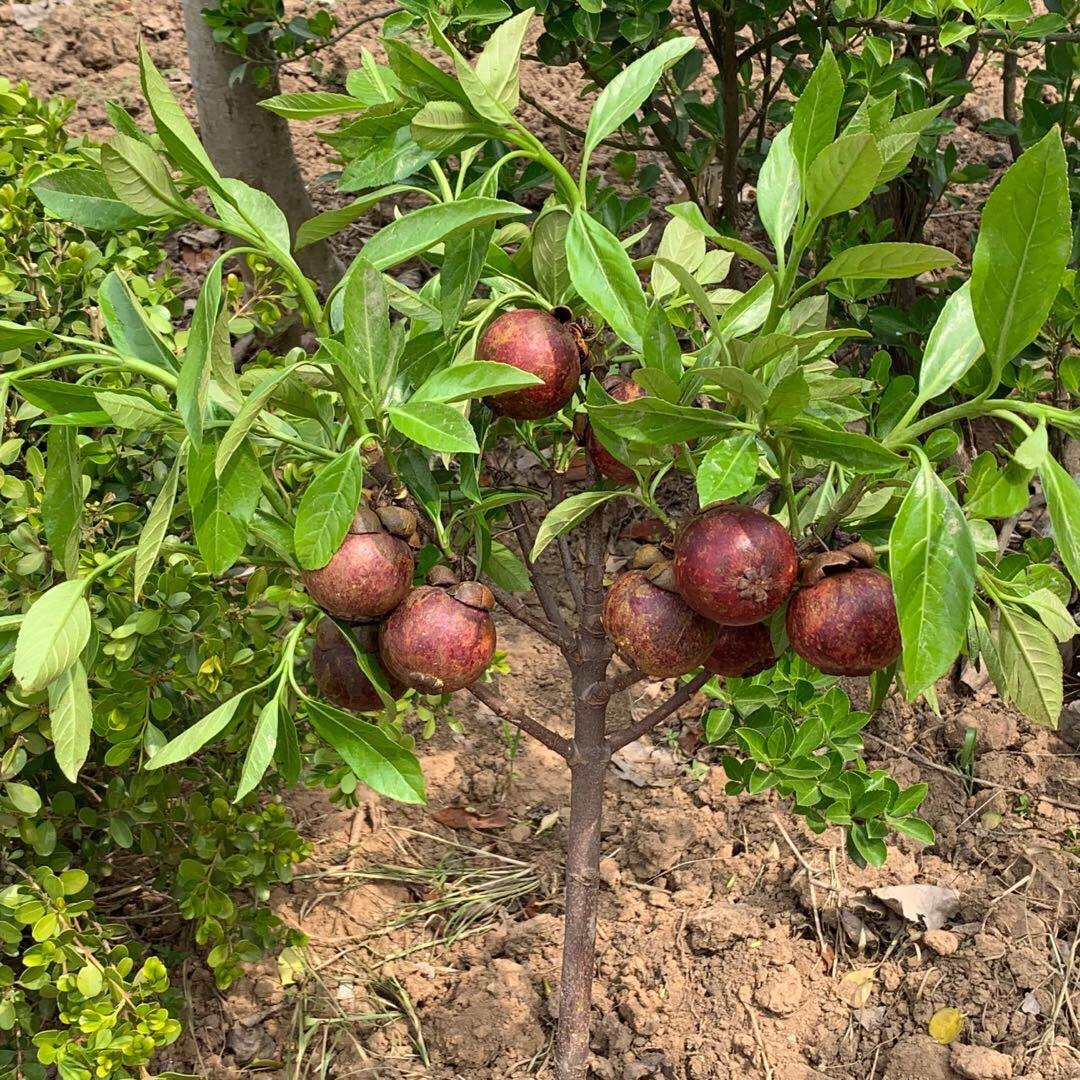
[{"x": 247, "y": 142}]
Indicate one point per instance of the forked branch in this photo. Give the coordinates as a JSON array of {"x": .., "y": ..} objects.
[
  {"x": 618, "y": 739},
  {"x": 516, "y": 608},
  {"x": 505, "y": 711}
]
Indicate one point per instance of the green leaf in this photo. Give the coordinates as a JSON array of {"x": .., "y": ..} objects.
[
  {"x": 1023, "y": 246},
  {"x": 222, "y": 506},
  {"x": 127, "y": 325},
  {"x": 463, "y": 263},
  {"x": 498, "y": 63},
  {"x": 367, "y": 328},
  {"x": 655, "y": 422},
  {"x": 155, "y": 527},
  {"x": 250, "y": 213},
  {"x": 567, "y": 515},
  {"x": 604, "y": 276},
  {"x": 389, "y": 160},
  {"x": 842, "y": 175},
  {"x": 473, "y": 379},
  {"x": 1031, "y": 663},
  {"x": 435, "y": 425},
  {"x": 659, "y": 345},
  {"x": 26, "y": 801},
  {"x": 138, "y": 177},
  {"x": 851, "y": 448},
  {"x": 422, "y": 229},
  {"x": 135, "y": 411},
  {"x": 197, "y": 736},
  {"x": 908, "y": 801},
  {"x": 193, "y": 382},
  {"x": 52, "y": 634},
  {"x": 312, "y": 104},
  {"x": 779, "y": 190},
  {"x": 682, "y": 245},
  {"x": 914, "y": 827},
  {"x": 71, "y": 718},
  {"x": 62, "y": 499},
  {"x": 383, "y": 764},
  {"x": 787, "y": 399},
  {"x": 891, "y": 260},
  {"x": 89, "y": 981},
  {"x": 15, "y": 336},
  {"x": 813, "y": 122},
  {"x": 333, "y": 221},
  {"x": 441, "y": 126},
  {"x": 630, "y": 89},
  {"x": 952, "y": 347},
  {"x": 245, "y": 419},
  {"x": 83, "y": 197},
  {"x": 477, "y": 94},
  {"x": 327, "y": 509},
  {"x": 728, "y": 469},
  {"x": 261, "y": 750},
  {"x": 549, "y": 262},
  {"x": 932, "y": 564},
  {"x": 1063, "y": 502},
  {"x": 173, "y": 126},
  {"x": 506, "y": 569}
]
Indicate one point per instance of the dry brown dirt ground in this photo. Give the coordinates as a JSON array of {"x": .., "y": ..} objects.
[{"x": 732, "y": 942}]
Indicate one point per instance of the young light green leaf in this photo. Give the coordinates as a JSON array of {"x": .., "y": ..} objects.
[
  {"x": 813, "y": 123},
  {"x": 889, "y": 260},
  {"x": 222, "y": 506},
  {"x": 261, "y": 749},
  {"x": 245, "y": 419},
  {"x": 549, "y": 263},
  {"x": 129, "y": 329},
  {"x": 497, "y": 65},
  {"x": 629, "y": 90},
  {"x": 604, "y": 276},
  {"x": 1032, "y": 667},
  {"x": 842, "y": 175},
  {"x": 84, "y": 197},
  {"x": 193, "y": 382},
  {"x": 367, "y": 327},
  {"x": 1063, "y": 502},
  {"x": 1023, "y": 247},
  {"x": 15, "y": 336},
  {"x": 473, "y": 379},
  {"x": 62, "y": 499},
  {"x": 197, "y": 736},
  {"x": 250, "y": 213},
  {"x": 157, "y": 524},
  {"x": 728, "y": 469},
  {"x": 422, "y": 229},
  {"x": 932, "y": 564},
  {"x": 53, "y": 633},
  {"x": 659, "y": 345},
  {"x": 135, "y": 411},
  {"x": 138, "y": 177},
  {"x": 435, "y": 425},
  {"x": 311, "y": 105},
  {"x": 440, "y": 126},
  {"x": 377, "y": 760},
  {"x": 681, "y": 244},
  {"x": 71, "y": 719},
  {"x": 327, "y": 509},
  {"x": 462, "y": 265},
  {"x": 779, "y": 190},
  {"x": 566, "y": 516},
  {"x": 952, "y": 347}
]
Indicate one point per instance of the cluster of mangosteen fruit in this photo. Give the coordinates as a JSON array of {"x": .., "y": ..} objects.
[{"x": 704, "y": 602}]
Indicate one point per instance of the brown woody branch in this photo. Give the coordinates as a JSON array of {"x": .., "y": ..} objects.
[
  {"x": 517, "y": 609},
  {"x": 618, "y": 739},
  {"x": 544, "y": 592},
  {"x": 602, "y": 692},
  {"x": 505, "y": 711},
  {"x": 820, "y": 531}
]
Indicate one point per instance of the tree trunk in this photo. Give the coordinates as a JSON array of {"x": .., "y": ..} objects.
[{"x": 248, "y": 142}]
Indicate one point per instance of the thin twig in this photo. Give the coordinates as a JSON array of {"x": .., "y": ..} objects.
[
  {"x": 544, "y": 593},
  {"x": 505, "y": 711},
  {"x": 516, "y": 608},
  {"x": 579, "y": 133},
  {"x": 819, "y": 532},
  {"x": 618, "y": 739},
  {"x": 570, "y": 566}
]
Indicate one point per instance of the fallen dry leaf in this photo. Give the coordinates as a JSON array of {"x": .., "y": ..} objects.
[
  {"x": 856, "y": 987},
  {"x": 645, "y": 765},
  {"x": 945, "y": 1026},
  {"x": 457, "y": 817},
  {"x": 935, "y": 905}
]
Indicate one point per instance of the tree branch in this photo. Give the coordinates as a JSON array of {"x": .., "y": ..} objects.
[
  {"x": 819, "y": 532},
  {"x": 545, "y": 594},
  {"x": 570, "y": 567},
  {"x": 516, "y": 608},
  {"x": 602, "y": 692},
  {"x": 505, "y": 711},
  {"x": 618, "y": 739}
]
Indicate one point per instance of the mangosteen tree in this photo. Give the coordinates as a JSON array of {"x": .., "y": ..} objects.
[{"x": 481, "y": 442}]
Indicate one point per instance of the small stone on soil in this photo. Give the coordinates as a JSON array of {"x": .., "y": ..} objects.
[
  {"x": 980, "y": 1062},
  {"x": 942, "y": 942}
]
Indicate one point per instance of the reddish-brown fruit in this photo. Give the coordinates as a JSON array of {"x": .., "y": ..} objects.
[
  {"x": 436, "y": 643},
  {"x": 366, "y": 577},
  {"x": 535, "y": 342},
  {"x": 654, "y": 629},
  {"x": 340, "y": 679},
  {"x": 621, "y": 389},
  {"x": 846, "y": 623},
  {"x": 741, "y": 651},
  {"x": 735, "y": 565}
]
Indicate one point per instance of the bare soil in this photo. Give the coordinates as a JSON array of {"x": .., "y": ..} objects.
[{"x": 732, "y": 942}]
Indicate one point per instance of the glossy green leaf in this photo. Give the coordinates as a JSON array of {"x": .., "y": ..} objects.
[
  {"x": 62, "y": 499},
  {"x": 222, "y": 506},
  {"x": 333, "y": 221},
  {"x": 197, "y": 736},
  {"x": 435, "y": 425},
  {"x": 779, "y": 190},
  {"x": 463, "y": 263},
  {"x": 128, "y": 327},
  {"x": 193, "y": 382},
  {"x": 260, "y": 750},
  {"x": 813, "y": 122},
  {"x": 659, "y": 346},
  {"x": 52, "y": 634},
  {"x": 138, "y": 177},
  {"x": 157, "y": 523},
  {"x": 245, "y": 419},
  {"x": 952, "y": 347},
  {"x": 851, "y": 448},
  {"x": 1063, "y": 502},
  {"x": 932, "y": 564},
  {"x": 312, "y": 104},
  {"x": 497, "y": 65},
  {"x": 549, "y": 261},
  {"x": 392, "y": 159},
  {"x": 71, "y": 719},
  {"x": 1032, "y": 667},
  {"x": 327, "y": 509},
  {"x": 567, "y": 515},
  {"x": 842, "y": 176},
  {"x": 728, "y": 469},
  {"x": 473, "y": 379},
  {"x": 84, "y": 197},
  {"x": 889, "y": 260}
]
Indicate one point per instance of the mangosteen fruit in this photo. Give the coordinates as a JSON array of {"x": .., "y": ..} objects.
[
  {"x": 735, "y": 565},
  {"x": 621, "y": 389},
  {"x": 440, "y": 639},
  {"x": 339, "y": 677},
  {"x": 652, "y": 627},
  {"x": 367, "y": 576},
  {"x": 845, "y": 623},
  {"x": 535, "y": 342},
  {"x": 741, "y": 651}
]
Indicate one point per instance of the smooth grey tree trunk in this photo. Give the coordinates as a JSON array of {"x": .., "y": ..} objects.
[{"x": 248, "y": 142}]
